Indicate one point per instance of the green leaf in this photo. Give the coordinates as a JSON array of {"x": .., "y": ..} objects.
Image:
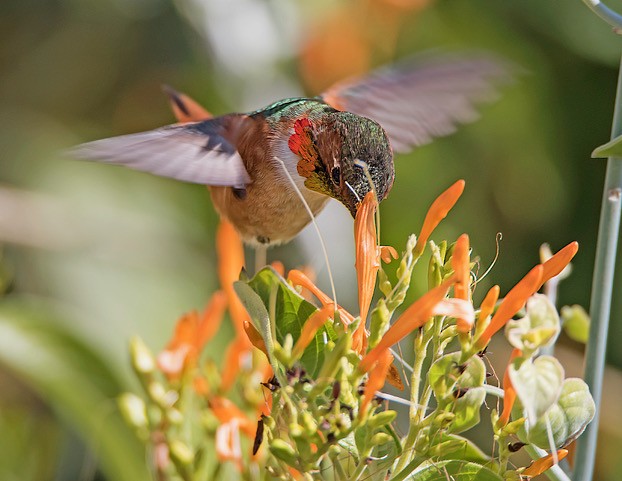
[
  {"x": 446, "y": 374},
  {"x": 74, "y": 381},
  {"x": 467, "y": 409},
  {"x": 538, "y": 328},
  {"x": 567, "y": 418},
  {"x": 461, "y": 449},
  {"x": 576, "y": 323},
  {"x": 291, "y": 311},
  {"x": 613, "y": 148},
  {"x": 454, "y": 470},
  {"x": 537, "y": 383}
]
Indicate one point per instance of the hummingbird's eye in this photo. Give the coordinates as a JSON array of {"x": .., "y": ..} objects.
[{"x": 336, "y": 175}]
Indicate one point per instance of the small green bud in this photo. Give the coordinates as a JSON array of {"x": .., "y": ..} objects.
[
  {"x": 378, "y": 420},
  {"x": 174, "y": 416},
  {"x": 283, "y": 451},
  {"x": 295, "y": 430},
  {"x": 268, "y": 422},
  {"x": 576, "y": 323},
  {"x": 308, "y": 423},
  {"x": 380, "y": 318},
  {"x": 281, "y": 355},
  {"x": 380, "y": 439},
  {"x": 142, "y": 359},
  {"x": 334, "y": 452},
  {"x": 133, "y": 410},
  {"x": 181, "y": 452}
]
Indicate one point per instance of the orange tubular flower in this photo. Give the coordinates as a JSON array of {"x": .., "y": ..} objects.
[
  {"x": 311, "y": 326},
  {"x": 230, "y": 264},
  {"x": 184, "y": 108},
  {"x": 299, "y": 278},
  {"x": 191, "y": 334},
  {"x": 460, "y": 264},
  {"x": 232, "y": 419},
  {"x": 509, "y": 394},
  {"x": 376, "y": 380},
  {"x": 236, "y": 354},
  {"x": 541, "y": 465},
  {"x": 437, "y": 212},
  {"x": 559, "y": 261},
  {"x": 512, "y": 303},
  {"x": 367, "y": 253},
  {"x": 488, "y": 304},
  {"x": 417, "y": 314},
  {"x": 255, "y": 338}
]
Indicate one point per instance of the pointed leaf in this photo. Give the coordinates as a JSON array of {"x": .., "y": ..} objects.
[
  {"x": 537, "y": 383},
  {"x": 613, "y": 148},
  {"x": 567, "y": 418},
  {"x": 291, "y": 311},
  {"x": 446, "y": 375},
  {"x": 467, "y": 409},
  {"x": 538, "y": 328}
]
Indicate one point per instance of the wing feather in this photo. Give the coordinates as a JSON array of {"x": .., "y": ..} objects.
[
  {"x": 198, "y": 152},
  {"x": 422, "y": 98}
]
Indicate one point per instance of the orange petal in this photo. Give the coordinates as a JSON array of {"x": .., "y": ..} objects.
[
  {"x": 559, "y": 261},
  {"x": 461, "y": 266},
  {"x": 181, "y": 350},
  {"x": 201, "y": 386},
  {"x": 278, "y": 267},
  {"x": 412, "y": 318},
  {"x": 388, "y": 253},
  {"x": 311, "y": 326},
  {"x": 299, "y": 278},
  {"x": 236, "y": 351},
  {"x": 184, "y": 108},
  {"x": 488, "y": 304},
  {"x": 541, "y": 465},
  {"x": 255, "y": 338},
  {"x": 512, "y": 303},
  {"x": 377, "y": 378},
  {"x": 210, "y": 320},
  {"x": 367, "y": 253},
  {"x": 509, "y": 395},
  {"x": 230, "y": 264},
  {"x": 173, "y": 361},
  {"x": 226, "y": 411},
  {"x": 228, "y": 446},
  {"x": 437, "y": 212}
]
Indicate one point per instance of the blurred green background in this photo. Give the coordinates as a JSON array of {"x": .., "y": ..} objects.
[{"x": 92, "y": 254}]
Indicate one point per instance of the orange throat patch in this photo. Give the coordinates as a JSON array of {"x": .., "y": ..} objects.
[{"x": 301, "y": 143}]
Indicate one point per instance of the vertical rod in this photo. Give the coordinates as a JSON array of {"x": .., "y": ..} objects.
[{"x": 600, "y": 303}]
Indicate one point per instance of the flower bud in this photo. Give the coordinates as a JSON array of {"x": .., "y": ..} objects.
[
  {"x": 382, "y": 418},
  {"x": 134, "y": 411},
  {"x": 283, "y": 451},
  {"x": 181, "y": 454},
  {"x": 143, "y": 361},
  {"x": 379, "y": 439}
]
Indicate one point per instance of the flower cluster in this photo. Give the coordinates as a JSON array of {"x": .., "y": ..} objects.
[{"x": 300, "y": 391}]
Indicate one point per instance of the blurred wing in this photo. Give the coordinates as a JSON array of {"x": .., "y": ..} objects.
[
  {"x": 198, "y": 152},
  {"x": 422, "y": 98}
]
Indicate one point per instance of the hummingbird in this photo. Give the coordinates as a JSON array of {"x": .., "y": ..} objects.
[{"x": 339, "y": 144}]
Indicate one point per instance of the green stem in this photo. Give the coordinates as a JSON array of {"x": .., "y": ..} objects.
[{"x": 600, "y": 303}]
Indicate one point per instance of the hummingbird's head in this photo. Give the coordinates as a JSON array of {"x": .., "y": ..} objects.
[{"x": 353, "y": 151}]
